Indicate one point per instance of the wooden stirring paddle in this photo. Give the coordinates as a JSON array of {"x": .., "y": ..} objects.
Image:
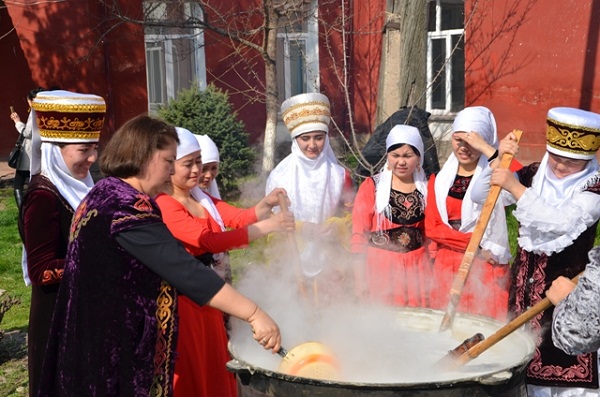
[
  {"x": 453, "y": 361},
  {"x": 463, "y": 271}
]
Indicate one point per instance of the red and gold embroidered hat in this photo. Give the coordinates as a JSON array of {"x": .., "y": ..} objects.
[
  {"x": 306, "y": 113},
  {"x": 573, "y": 133},
  {"x": 69, "y": 117}
]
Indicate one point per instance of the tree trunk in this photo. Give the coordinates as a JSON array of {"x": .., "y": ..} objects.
[
  {"x": 271, "y": 95},
  {"x": 403, "y": 77}
]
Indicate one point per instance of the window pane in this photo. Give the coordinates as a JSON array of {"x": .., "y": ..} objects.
[
  {"x": 453, "y": 14},
  {"x": 298, "y": 67},
  {"x": 431, "y": 16},
  {"x": 458, "y": 74},
  {"x": 184, "y": 64},
  {"x": 155, "y": 70},
  {"x": 438, "y": 68}
]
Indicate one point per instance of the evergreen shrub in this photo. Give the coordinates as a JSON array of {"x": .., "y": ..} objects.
[{"x": 209, "y": 113}]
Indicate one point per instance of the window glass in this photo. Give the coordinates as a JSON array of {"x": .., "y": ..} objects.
[
  {"x": 452, "y": 15},
  {"x": 446, "y": 58},
  {"x": 183, "y": 64},
  {"x": 174, "y": 54},
  {"x": 458, "y": 73},
  {"x": 297, "y": 52},
  {"x": 438, "y": 90},
  {"x": 298, "y": 67},
  {"x": 156, "y": 71},
  {"x": 431, "y": 16}
]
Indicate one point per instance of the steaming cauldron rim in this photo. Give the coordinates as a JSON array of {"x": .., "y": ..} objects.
[{"x": 242, "y": 367}]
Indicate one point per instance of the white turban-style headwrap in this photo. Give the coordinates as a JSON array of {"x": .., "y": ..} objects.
[
  {"x": 210, "y": 154},
  {"x": 481, "y": 120},
  {"x": 398, "y": 135}
]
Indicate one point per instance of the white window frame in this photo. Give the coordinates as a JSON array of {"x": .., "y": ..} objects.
[
  {"x": 199, "y": 74},
  {"x": 310, "y": 38},
  {"x": 447, "y": 36}
]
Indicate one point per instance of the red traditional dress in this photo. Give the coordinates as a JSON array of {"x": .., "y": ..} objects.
[
  {"x": 486, "y": 289},
  {"x": 398, "y": 268},
  {"x": 202, "y": 344}
]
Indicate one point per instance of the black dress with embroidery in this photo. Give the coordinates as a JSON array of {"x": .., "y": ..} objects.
[{"x": 532, "y": 275}]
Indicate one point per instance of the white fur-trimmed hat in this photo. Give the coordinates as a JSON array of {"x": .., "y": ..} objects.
[
  {"x": 69, "y": 117},
  {"x": 572, "y": 133},
  {"x": 306, "y": 113}
]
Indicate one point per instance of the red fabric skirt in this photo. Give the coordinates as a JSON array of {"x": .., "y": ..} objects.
[
  {"x": 202, "y": 353},
  {"x": 485, "y": 292},
  {"x": 396, "y": 278}
]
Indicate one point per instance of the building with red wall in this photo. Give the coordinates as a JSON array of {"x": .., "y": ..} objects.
[{"x": 520, "y": 59}]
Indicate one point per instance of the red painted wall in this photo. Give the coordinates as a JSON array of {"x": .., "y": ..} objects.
[
  {"x": 60, "y": 44},
  {"x": 368, "y": 20},
  {"x": 524, "y": 57},
  {"x": 240, "y": 73}
]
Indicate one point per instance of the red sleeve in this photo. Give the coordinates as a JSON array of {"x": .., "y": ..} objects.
[
  {"x": 348, "y": 191},
  {"x": 200, "y": 233},
  {"x": 362, "y": 216},
  {"x": 436, "y": 229},
  {"x": 42, "y": 232},
  {"x": 515, "y": 165},
  {"x": 234, "y": 217}
]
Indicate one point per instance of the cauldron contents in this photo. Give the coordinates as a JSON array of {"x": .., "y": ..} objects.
[
  {"x": 386, "y": 345},
  {"x": 372, "y": 344}
]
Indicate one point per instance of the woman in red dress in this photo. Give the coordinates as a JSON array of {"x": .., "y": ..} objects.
[
  {"x": 391, "y": 262},
  {"x": 199, "y": 221},
  {"x": 451, "y": 215}
]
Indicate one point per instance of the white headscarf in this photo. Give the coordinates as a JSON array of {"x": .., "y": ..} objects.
[
  {"x": 210, "y": 154},
  {"x": 314, "y": 186},
  {"x": 188, "y": 144},
  {"x": 54, "y": 168},
  {"x": 481, "y": 120},
  {"x": 398, "y": 135}
]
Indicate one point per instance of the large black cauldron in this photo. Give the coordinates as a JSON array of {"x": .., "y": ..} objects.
[{"x": 508, "y": 381}]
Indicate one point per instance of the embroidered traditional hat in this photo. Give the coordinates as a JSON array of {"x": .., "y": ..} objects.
[
  {"x": 573, "y": 133},
  {"x": 306, "y": 113},
  {"x": 69, "y": 117}
]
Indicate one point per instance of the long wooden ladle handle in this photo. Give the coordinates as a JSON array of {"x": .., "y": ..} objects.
[
  {"x": 293, "y": 247},
  {"x": 509, "y": 328},
  {"x": 473, "y": 246}
]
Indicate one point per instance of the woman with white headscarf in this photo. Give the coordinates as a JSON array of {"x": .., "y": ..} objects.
[
  {"x": 388, "y": 239},
  {"x": 558, "y": 208},
  {"x": 64, "y": 150},
  {"x": 200, "y": 222},
  {"x": 319, "y": 188},
  {"x": 210, "y": 166},
  {"x": 451, "y": 215}
]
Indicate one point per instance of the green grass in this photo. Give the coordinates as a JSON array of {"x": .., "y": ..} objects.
[
  {"x": 11, "y": 276},
  {"x": 13, "y": 351}
]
